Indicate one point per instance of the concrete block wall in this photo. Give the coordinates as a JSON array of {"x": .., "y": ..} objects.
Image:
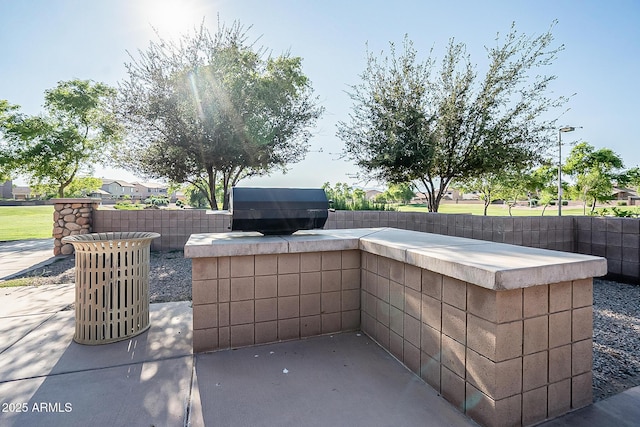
[
  {"x": 537, "y": 232},
  {"x": 507, "y": 339},
  {"x": 513, "y": 357},
  {"x": 245, "y": 300},
  {"x": 617, "y": 239},
  {"x": 174, "y": 226}
]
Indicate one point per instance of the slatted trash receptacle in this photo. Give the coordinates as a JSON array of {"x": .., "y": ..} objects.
[{"x": 112, "y": 285}]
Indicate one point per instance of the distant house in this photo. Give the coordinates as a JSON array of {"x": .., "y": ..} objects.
[
  {"x": 118, "y": 189},
  {"x": 371, "y": 194},
  {"x": 6, "y": 190},
  {"x": 474, "y": 195},
  {"x": 100, "y": 194},
  {"x": 624, "y": 193},
  {"x": 451, "y": 194},
  {"x": 21, "y": 193},
  {"x": 145, "y": 190}
]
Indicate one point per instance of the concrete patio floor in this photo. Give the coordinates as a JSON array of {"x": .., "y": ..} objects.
[{"x": 153, "y": 379}]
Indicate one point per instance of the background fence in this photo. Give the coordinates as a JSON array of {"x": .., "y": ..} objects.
[{"x": 616, "y": 239}]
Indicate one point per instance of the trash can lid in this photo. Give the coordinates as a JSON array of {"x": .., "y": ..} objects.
[{"x": 111, "y": 236}]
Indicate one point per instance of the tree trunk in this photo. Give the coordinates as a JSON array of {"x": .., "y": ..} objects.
[
  {"x": 63, "y": 186},
  {"x": 432, "y": 204},
  {"x": 66, "y": 183},
  {"x": 433, "y": 200},
  {"x": 211, "y": 176},
  {"x": 234, "y": 177},
  {"x": 226, "y": 179},
  {"x": 437, "y": 198},
  {"x": 436, "y": 202}
]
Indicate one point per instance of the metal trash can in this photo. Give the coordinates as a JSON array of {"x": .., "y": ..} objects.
[{"x": 112, "y": 285}]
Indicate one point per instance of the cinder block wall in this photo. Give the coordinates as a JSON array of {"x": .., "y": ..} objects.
[
  {"x": 246, "y": 300},
  {"x": 513, "y": 357},
  {"x": 539, "y": 232},
  {"x": 174, "y": 226},
  {"x": 616, "y": 239}
]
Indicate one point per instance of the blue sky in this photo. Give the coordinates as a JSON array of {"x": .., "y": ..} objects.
[{"x": 46, "y": 41}]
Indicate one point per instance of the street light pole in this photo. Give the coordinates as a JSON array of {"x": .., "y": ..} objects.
[{"x": 560, "y": 131}]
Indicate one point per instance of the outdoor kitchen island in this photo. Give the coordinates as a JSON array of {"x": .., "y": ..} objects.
[{"x": 502, "y": 332}]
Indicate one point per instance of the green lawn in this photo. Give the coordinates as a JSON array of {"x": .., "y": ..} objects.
[
  {"x": 36, "y": 222},
  {"x": 25, "y": 222},
  {"x": 500, "y": 210}
]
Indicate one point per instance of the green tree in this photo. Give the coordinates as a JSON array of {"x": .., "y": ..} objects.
[
  {"x": 79, "y": 187},
  {"x": 212, "y": 110},
  {"x": 412, "y": 124},
  {"x": 341, "y": 195},
  {"x": 632, "y": 177},
  {"x": 513, "y": 186},
  {"x": 344, "y": 197},
  {"x": 4, "y": 176},
  {"x": 509, "y": 186},
  {"x": 544, "y": 184},
  {"x": 594, "y": 172},
  {"x": 486, "y": 185},
  {"x": 401, "y": 192},
  {"x": 53, "y": 148}
]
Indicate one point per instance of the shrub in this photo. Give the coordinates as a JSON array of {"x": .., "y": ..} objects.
[
  {"x": 126, "y": 205},
  {"x": 622, "y": 213},
  {"x": 345, "y": 198},
  {"x": 621, "y": 203},
  {"x": 157, "y": 201}
]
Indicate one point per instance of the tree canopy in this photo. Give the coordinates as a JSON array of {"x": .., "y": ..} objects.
[
  {"x": 413, "y": 123},
  {"x": 52, "y": 149},
  {"x": 544, "y": 182},
  {"x": 213, "y": 109},
  {"x": 399, "y": 193},
  {"x": 594, "y": 172}
]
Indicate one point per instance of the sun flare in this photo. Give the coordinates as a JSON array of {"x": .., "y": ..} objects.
[{"x": 172, "y": 18}]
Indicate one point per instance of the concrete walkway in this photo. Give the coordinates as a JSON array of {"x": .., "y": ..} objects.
[
  {"x": 46, "y": 379},
  {"x": 18, "y": 257}
]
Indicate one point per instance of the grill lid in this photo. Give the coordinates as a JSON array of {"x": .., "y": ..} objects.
[{"x": 278, "y": 210}]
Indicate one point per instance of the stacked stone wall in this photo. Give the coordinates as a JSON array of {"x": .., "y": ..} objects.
[{"x": 71, "y": 217}]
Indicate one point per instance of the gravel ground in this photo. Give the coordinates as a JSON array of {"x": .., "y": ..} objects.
[
  {"x": 169, "y": 275},
  {"x": 616, "y": 337},
  {"x": 616, "y": 316}
]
